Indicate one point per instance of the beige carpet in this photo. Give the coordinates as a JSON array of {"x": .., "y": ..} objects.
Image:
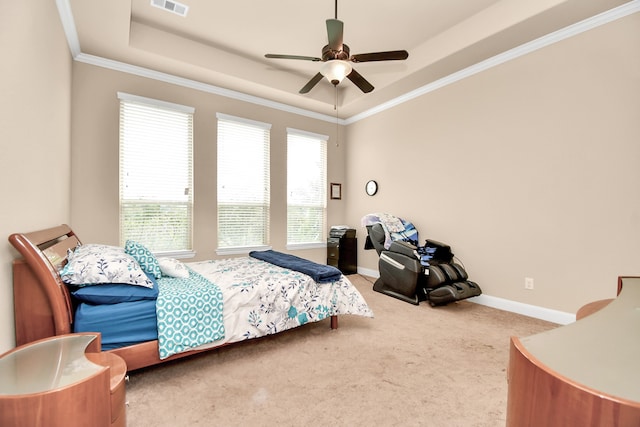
[{"x": 409, "y": 366}]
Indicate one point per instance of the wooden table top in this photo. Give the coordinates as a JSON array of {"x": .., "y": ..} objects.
[{"x": 602, "y": 349}]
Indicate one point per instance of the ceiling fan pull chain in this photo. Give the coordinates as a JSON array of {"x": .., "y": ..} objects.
[{"x": 335, "y": 107}]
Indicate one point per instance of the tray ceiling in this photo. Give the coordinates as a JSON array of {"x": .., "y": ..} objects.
[{"x": 223, "y": 43}]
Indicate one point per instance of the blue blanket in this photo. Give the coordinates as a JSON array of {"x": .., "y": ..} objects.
[{"x": 320, "y": 273}]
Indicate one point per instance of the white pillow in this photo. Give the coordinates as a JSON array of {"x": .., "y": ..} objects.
[
  {"x": 173, "y": 268},
  {"x": 94, "y": 264}
]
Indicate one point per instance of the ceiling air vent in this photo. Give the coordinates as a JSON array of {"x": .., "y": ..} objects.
[{"x": 171, "y": 6}]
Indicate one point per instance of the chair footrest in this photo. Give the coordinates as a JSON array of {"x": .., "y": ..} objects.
[{"x": 455, "y": 291}]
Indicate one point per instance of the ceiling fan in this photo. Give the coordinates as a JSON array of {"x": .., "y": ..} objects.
[{"x": 337, "y": 59}]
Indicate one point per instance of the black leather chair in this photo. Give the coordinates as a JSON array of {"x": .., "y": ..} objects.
[
  {"x": 400, "y": 269},
  {"x": 413, "y": 274}
]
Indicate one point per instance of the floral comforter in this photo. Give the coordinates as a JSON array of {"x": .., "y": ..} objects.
[{"x": 262, "y": 299}]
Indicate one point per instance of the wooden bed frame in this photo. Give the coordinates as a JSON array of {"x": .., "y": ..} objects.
[{"x": 43, "y": 305}]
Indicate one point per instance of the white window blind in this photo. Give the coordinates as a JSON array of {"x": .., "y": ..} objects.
[
  {"x": 243, "y": 183},
  {"x": 156, "y": 173},
  {"x": 306, "y": 187}
]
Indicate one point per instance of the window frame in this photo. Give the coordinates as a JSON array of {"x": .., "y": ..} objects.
[
  {"x": 324, "y": 141},
  {"x": 265, "y": 176},
  {"x": 129, "y": 100}
]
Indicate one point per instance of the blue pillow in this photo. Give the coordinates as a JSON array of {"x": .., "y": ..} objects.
[
  {"x": 145, "y": 258},
  {"x": 114, "y": 293}
]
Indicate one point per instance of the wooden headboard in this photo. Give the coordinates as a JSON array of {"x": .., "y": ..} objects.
[{"x": 42, "y": 302}]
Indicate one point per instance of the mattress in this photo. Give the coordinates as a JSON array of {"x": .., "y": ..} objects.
[{"x": 120, "y": 324}]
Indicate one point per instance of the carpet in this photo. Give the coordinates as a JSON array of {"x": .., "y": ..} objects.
[{"x": 408, "y": 366}]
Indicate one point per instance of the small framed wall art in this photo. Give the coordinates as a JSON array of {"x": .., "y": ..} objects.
[{"x": 336, "y": 191}]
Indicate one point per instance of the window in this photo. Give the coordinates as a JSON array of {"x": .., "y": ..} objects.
[
  {"x": 306, "y": 188},
  {"x": 243, "y": 184},
  {"x": 156, "y": 184}
]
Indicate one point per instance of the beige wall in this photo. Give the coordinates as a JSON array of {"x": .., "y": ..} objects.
[
  {"x": 94, "y": 189},
  {"x": 529, "y": 169},
  {"x": 35, "y": 83}
]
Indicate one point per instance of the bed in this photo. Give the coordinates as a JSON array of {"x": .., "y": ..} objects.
[{"x": 215, "y": 303}]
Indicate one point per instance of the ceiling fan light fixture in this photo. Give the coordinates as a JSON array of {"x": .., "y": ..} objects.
[
  {"x": 337, "y": 60},
  {"x": 335, "y": 70}
]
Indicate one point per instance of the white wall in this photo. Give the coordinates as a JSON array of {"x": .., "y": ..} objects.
[{"x": 35, "y": 83}]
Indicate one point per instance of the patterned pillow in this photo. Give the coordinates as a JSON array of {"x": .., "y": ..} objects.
[
  {"x": 94, "y": 264},
  {"x": 173, "y": 268},
  {"x": 145, "y": 258}
]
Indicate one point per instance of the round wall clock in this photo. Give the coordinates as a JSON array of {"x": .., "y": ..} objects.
[{"x": 371, "y": 187}]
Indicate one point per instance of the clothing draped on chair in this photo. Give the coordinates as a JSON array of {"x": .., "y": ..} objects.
[{"x": 394, "y": 228}]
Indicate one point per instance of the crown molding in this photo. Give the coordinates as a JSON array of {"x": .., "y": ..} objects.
[
  {"x": 544, "y": 41},
  {"x": 68, "y": 24},
  {"x": 193, "y": 84}
]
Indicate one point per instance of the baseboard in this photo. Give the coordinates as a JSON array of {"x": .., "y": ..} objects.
[
  {"x": 368, "y": 272},
  {"x": 554, "y": 316},
  {"x": 542, "y": 313}
]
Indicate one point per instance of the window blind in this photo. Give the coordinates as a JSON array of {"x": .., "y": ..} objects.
[
  {"x": 156, "y": 173},
  {"x": 306, "y": 187},
  {"x": 243, "y": 183}
]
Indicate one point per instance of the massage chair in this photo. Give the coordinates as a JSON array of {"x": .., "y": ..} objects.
[{"x": 415, "y": 273}]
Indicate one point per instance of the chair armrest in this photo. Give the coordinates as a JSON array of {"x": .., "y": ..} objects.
[
  {"x": 435, "y": 244},
  {"x": 441, "y": 252},
  {"x": 404, "y": 248}
]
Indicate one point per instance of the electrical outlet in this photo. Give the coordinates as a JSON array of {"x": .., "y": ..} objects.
[{"x": 528, "y": 283}]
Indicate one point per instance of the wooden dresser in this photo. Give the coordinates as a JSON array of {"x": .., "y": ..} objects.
[
  {"x": 54, "y": 383},
  {"x": 583, "y": 374}
]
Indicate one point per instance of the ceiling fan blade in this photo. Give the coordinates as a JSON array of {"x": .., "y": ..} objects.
[
  {"x": 314, "y": 81},
  {"x": 335, "y": 31},
  {"x": 392, "y": 55},
  {"x": 360, "y": 81},
  {"x": 304, "y": 58}
]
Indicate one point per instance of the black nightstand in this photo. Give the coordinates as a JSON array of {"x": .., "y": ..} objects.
[{"x": 342, "y": 252}]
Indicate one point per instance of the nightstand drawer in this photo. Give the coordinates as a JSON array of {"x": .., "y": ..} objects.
[
  {"x": 117, "y": 385},
  {"x": 118, "y": 405},
  {"x": 333, "y": 252}
]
